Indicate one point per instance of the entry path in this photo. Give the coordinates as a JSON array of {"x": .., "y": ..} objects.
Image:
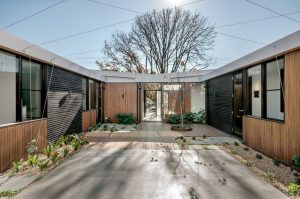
[{"x": 140, "y": 166}]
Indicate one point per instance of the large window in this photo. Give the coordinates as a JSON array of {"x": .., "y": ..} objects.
[
  {"x": 92, "y": 94},
  {"x": 274, "y": 90},
  {"x": 254, "y": 91},
  {"x": 8, "y": 83},
  {"x": 265, "y": 92},
  {"x": 31, "y": 90}
]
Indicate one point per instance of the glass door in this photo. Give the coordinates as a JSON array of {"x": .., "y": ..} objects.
[
  {"x": 238, "y": 104},
  {"x": 152, "y": 106}
]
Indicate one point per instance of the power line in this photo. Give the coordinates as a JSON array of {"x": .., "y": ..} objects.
[
  {"x": 106, "y": 4},
  {"x": 256, "y": 20},
  {"x": 273, "y": 11},
  {"x": 32, "y": 15},
  {"x": 240, "y": 38},
  {"x": 95, "y": 29}
]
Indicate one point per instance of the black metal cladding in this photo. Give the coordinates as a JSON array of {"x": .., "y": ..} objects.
[
  {"x": 64, "y": 103},
  {"x": 219, "y": 103}
]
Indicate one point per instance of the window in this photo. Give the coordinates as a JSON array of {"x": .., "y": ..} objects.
[
  {"x": 92, "y": 94},
  {"x": 84, "y": 94},
  {"x": 254, "y": 91},
  {"x": 153, "y": 86},
  {"x": 172, "y": 87},
  {"x": 8, "y": 85},
  {"x": 274, "y": 90},
  {"x": 31, "y": 90}
]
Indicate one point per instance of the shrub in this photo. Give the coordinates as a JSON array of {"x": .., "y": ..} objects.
[
  {"x": 296, "y": 162},
  {"x": 199, "y": 117},
  {"x": 270, "y": 176},
  {"x": 17, "y": 166},
  {"x": 31, "y": 147},
  {"x": 174, "y": 119},
  {"x": 194, "y": 137},
  {"x": 48, "y": 150},
  {"x": 7, "y": 194},
  {"x": 189, "y": 117},
  {"x": 65, "y": 152},
  {"x": 43, "y": 164},
  {"x": 258, "y": 156},
  {"x": 32, "y": 160},
  {"x": 293, "y": 189},
  {"x": 249, "y": 163},
  {"x": 76, "y": 145},
  {"x": 125, "y": 118},
  {"x": 276, "y": 162},
  {"x": 246, "y": 148},
  {"x": 236, "y": 144}
]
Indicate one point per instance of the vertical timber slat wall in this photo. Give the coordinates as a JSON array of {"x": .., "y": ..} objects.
[
  {"x": 280, "y": 140},
  {"x": 14, "y": 139},
  {"x": 89, "y": 119},
  {"x": 64, "y": 103},
  {"x": 219, "y": 103},
  {"x": 120, "y": 98}
]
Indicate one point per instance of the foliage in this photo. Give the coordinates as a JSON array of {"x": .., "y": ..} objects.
[
  {"x": 194, "y": 138},
  {"x": 32, "y": 160},
  {"x": 249, "y": 163},
  {"x": 105, "y": 127},
  {"x": 199, "y": 117},
  {"x": 48, "y": 150},
  {"x": 54, "y": 156},
  {"x": 113, "y": 129},
  {"x": 276, "y": 162},
  {"x": 258, "y": 156},
  {"x": 76, "y": 145},
  {"x": 124, "y": 118},
  {"x": 43, "y": 164},
  {"x": 296, "y": 162},
  {"x": 65, "y": 151},
  {"x": 172, "y": 40},
  {"x": 270, "y": 176},
  {"x": 31, "y": 147},
  {"x": 174, "y": 119},
  {"x": 293, "y": 189},
  {"x": 7, "y": 193},
  {"x": 189, "y": 117},
  {"x": 246, "y": 148},
  {"x": 17, "y": 166},
  {"x": 236, "y": 144}
]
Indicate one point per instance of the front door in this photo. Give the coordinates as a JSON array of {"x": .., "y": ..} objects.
[
  {"x": 152, "y": 106},
  {"x": 238, "y": 104}
]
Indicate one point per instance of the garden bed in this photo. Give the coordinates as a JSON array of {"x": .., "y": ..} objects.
[
  {"x": 113, "y": 127},
  {"x": 276, "y": 173}
]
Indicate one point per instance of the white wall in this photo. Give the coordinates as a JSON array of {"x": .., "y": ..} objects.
[
  {"x": 197, "y": 97},
  {"x": 8, "y": 97},
  {"x": 256, "y": 101}
]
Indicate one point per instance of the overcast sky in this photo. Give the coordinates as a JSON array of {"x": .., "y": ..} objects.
[{"x": 75, "y": 16}]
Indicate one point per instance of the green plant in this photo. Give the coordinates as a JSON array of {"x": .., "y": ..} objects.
[
  {"x": 54, "y": 156},
  {"x": 17, "y": 166},
  {"x": 32, "y": 160},
  {"x": 194, "y": 137},
  {"x": 203, "y": 136},
  {"x": 199, "y": 117},
  {"x": 48, "y": 150},
  {"x": 174, "y": 119},
  {"x": 7, "y": 193},
  {"x": 236, "y": 144},
  {"x": 232, "y": 151},
  {"x": 296, "y": 163},
  {"x": 65, "y": 151},
  {"x": 105, "y": 127},
  {"x": 249, "y": 163},
  {"x": 246, "y": 148},
  {"x": 189, "y": 117},
  {"x": 31, "y": 147},
  {"x": 76, "y": 145},
  {"x": 125, "y": 118},
  {"x": 276, "y": 162},
  {"x": 113, "y": 129},
  {"x": 43, "y": 164},
  {"x": 293, "y": 189},
  {"x": 270, "y": 176}
]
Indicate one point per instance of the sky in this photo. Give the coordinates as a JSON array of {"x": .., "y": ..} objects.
[{"x": 76, "y": 16}]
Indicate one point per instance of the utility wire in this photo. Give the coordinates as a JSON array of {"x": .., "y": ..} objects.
[
  {"x": 106, "y": 4},
  {"x": 273, "y": 11},
  {"x": 95, "y": 29},
  {"x": 256, "y": 20},
  {"x": 32, "y": 15},
  {"x": 240, "y": 38}
]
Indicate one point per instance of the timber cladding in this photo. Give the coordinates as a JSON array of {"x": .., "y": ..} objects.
[
  {"x": 89, "y": 119},
  {"x": 280, "y": 140},
  {"x": 14, "y": 139},
  {"x": 120, "y": 98}
]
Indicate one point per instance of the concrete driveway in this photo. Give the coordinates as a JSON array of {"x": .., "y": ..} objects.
[{"x": 143, "y": 174}]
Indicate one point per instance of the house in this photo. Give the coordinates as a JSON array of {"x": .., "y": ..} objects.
[{"x": 44, "y": 96}]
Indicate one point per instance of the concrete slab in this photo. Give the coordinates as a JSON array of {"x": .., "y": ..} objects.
[
  {"x": 18, "y": 182},
  {"x": 106, "y": 174}
]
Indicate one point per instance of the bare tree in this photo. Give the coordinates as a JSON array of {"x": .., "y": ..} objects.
[{"x": 171, "y": 40}]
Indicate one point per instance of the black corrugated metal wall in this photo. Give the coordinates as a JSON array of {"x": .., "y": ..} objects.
[
  {"x": 64, "y": 103},
  {"x": 219, "y": 103}
]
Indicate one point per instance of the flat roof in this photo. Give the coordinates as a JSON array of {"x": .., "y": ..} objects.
[{"x": 20, "y": 46}]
